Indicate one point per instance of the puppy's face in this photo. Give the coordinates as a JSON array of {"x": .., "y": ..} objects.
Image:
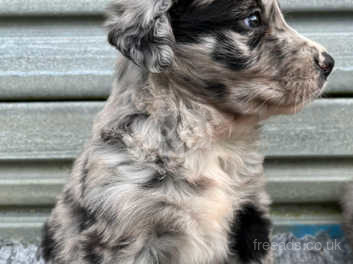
[
  {"x": 239, "y": 55},
  {"x": 245, "y": 57}
]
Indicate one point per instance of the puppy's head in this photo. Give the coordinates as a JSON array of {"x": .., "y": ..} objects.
[{"x": 239, "y": 55}]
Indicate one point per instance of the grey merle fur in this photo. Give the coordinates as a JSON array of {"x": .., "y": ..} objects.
[{"x": 172, "y": 173}]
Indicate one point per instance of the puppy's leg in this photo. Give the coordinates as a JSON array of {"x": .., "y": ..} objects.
[{"x": 250, "y": 235}]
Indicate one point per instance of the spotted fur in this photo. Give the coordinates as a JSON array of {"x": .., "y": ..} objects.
[{"x": 172, "y": 173}]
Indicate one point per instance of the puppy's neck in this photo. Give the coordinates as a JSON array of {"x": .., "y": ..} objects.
[
  {"x": 223, "y": 125},
  {"x": 150, "y": 111},
  {"x": 214, "y": 142}
]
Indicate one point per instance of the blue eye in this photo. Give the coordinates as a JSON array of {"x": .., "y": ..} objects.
[{"x": 253, "y": 21}]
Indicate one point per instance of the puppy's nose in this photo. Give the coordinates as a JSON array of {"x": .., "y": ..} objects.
[{"x": 326, "y": 65}]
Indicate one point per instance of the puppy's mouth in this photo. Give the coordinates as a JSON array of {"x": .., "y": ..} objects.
[
  {"x": 299, "y": 104},
  {"x": 298, "y": 100}
]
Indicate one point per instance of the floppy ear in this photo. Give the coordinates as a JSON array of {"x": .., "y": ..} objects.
[{"x": 141, "y": 31}]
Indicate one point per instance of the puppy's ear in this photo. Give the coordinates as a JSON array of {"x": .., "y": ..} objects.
[{"x": 141, "y": 31}]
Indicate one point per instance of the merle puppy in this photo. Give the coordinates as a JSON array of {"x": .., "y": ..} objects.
[{"x": 172, "y": 173}]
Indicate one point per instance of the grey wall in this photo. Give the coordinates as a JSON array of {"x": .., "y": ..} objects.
[{"x": 55, "y": 72}]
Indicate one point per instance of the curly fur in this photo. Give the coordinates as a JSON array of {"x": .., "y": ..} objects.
[{"x": 172, "y": 173}]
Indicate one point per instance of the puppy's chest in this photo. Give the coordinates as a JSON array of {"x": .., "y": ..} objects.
[{"x": 226, "y": 176}]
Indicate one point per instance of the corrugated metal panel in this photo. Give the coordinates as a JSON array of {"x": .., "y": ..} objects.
[
  {"x": 37, "y": 183},
  {"x": 58, "y": 130},
  {"x": 56, "y": 51},
  {"x": 89, "y": 7},
  {"x": 55, "y": 59}
]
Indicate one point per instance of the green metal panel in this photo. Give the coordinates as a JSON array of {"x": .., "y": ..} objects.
[
  {"x": 58, "y": 130},
  {"x": 54, "y": 58},
  {"x": 316, "y": 5},
  {"x": 32, "y": 183},
  {"x": 37, "y": 183},
  {"x": 321, "y": 130},
  {"x": 57, "y": 51},
  {"x": 308, "y": 180},
  {"x": 22, "y": 224},
  {"x": 89, "y": 7}
]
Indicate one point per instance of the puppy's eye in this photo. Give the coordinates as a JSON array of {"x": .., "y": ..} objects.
[{"x": 253, "y": 21}]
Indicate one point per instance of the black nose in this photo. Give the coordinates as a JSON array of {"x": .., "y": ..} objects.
[{"x": 326, "y": 65}]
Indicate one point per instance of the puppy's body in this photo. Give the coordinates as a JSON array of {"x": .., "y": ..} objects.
[
  {"x": 172, "y": 173},
  {"x": 149, "y": 192}
]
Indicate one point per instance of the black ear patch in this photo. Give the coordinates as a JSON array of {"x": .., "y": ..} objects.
[
  {"x": 229, "y": 55},
  {"x": 191, "y": 20},
  {"x": 250, "y": 234},
  {"x": 141, "y": 31}
]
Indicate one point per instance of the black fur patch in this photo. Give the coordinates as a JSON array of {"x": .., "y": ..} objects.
[
  {"x": 169, "y": 180},
  {"x": 112, "y": 137},
  {"x": 83, "y": 178},
  {"x": 255, "y": 38},
  {"x": 156, "y": 181},
  {"x": 48, "y": 243},
  {"x": 250, "y": 233},
  {"x": 87, "y": 218},
  {"x": 279, "y": 50},
  {"x": 228, "y": 54},
  {"x": 92, "y": 249},
  {"x": 82, "y": 215},
  {"x": 126, "y": 125},
  {"x": 190, "y": 22},
  {"x": 216, "y": 90}
]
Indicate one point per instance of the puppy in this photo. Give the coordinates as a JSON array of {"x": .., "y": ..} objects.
[{"x": 172, "y": 173}]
